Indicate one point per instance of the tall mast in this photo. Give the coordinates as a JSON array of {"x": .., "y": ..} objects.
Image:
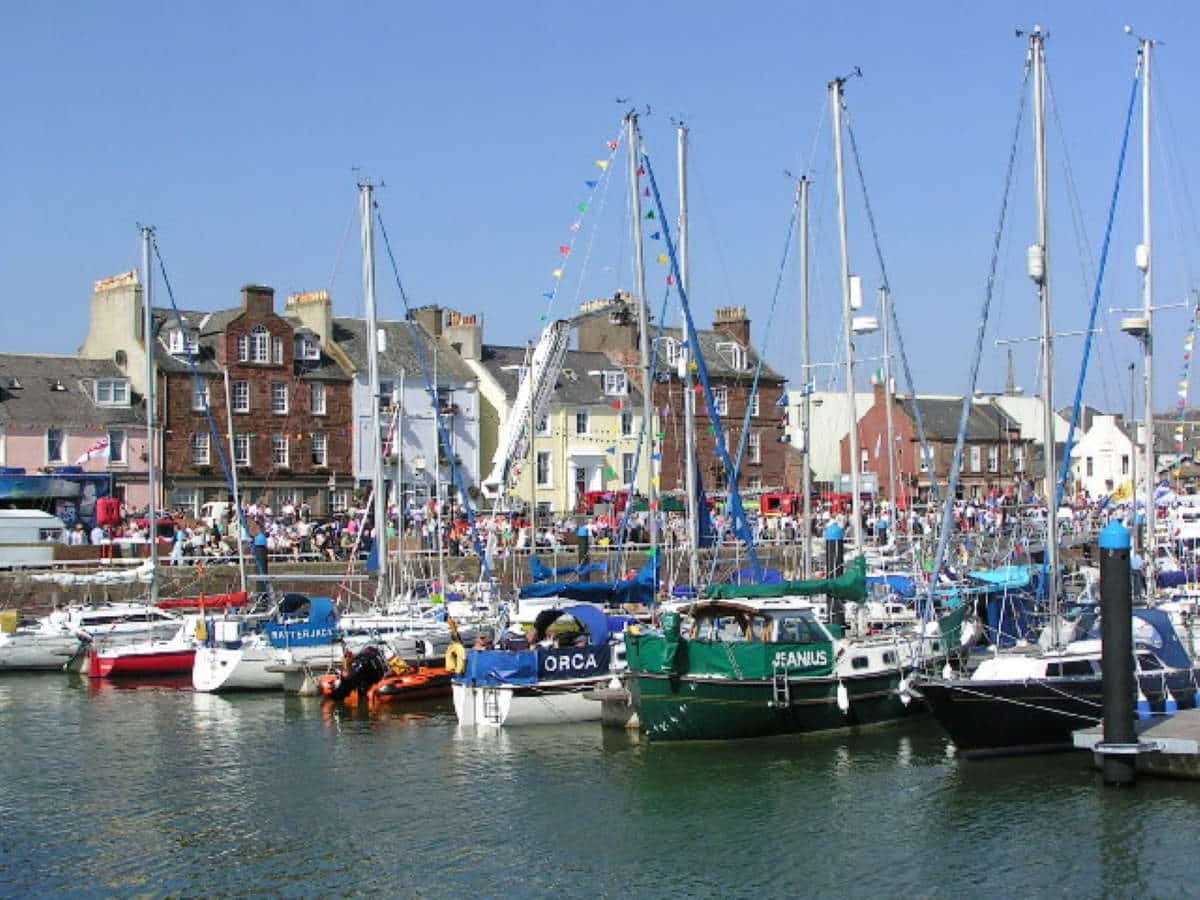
[
  {"x": 151, "y": 419},
  {"x": 835, "y": 101},
  {"x": 532, "y": 452},
  {"x": 639, "y": 274},
  {"x": 689, "y": 394},
  {"x": 805, "y": 379},
  {"x": 1039, "y": 271},
  {"x": 1144, "y": 263},
  {"x": 398, "y": 445},
  {"x": 885, "y": 301},
  {"x": 367, "y": 211},
  {"x": 1133, "y": 471},
  {"x": 437, "y": 474},
  {"x": 236, "y": 520}
]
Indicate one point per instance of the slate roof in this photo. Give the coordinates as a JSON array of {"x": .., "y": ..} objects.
[
  {"x": 1087, "y": 415},
  {"x": 986, "y": 421},
  {"x": 400, "y": 352},
  {"x": 209, "y": 325},
  {"x": 718, "y": 366},
  {"x": 37, "y": 404},
  {"x": 575, "y": 386}
]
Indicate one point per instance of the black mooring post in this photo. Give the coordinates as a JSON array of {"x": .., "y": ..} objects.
[
  {"x": 835, "y": 564},
  {"x": 1116, "y": 635}
]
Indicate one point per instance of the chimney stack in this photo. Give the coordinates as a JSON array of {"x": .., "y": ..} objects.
[
  {"x": 258, "y": 301},
  {"x": 314, "y": 309},
  {"x": 732, "y": 320}
]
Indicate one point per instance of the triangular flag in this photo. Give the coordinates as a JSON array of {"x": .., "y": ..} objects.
[
  {"x": 662, "y": 435},
  {"x": 616, "y": 404},
  {"x": 654, "y": 481},
  {"x": 654, "y": 504},
  {"x": 641, "y": 170},
  {"x": 564, "y": 250},
  {"x": 650, "y": 215},
  {"x": 670, "y": 279},
  {"x": 574, "y": 226},
  {"x": 582, "y": 207},
  {"x": 646, "y": 192},
  {"x": 612, "y": 145},
  {"x": 662, "y": 259},
  {"x": 591, "y": 184},
  {"x": 602, "y": 164},
  {"x": 549, "y": 295},
  {"x": 612, "y": 449},
  {"x": 557, "y": 273},
  {"x": 657, "y": 457},
  {"x": 656, "y": 236}
]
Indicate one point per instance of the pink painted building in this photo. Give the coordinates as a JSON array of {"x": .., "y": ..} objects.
[{"x": 65, "y": 415}]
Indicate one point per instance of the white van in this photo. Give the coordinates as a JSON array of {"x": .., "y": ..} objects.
[{"x": 28, "y": 537}]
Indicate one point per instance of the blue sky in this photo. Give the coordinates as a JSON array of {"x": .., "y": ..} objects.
[{"x": 235, "y": 132}]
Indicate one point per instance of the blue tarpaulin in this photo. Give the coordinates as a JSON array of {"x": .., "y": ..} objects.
[
  {"x": 539, "y": 571},
  {"x": 495, "y": 667},
  {"x": 901, "y": 585},
  {"x": 639, "y": 589}
]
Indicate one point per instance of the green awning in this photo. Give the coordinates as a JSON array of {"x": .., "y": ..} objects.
[{"x": 850, "y": 585}]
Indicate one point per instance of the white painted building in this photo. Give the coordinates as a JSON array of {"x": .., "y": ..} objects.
[
  {"x": 829, "y": 423},
  {"x": 1102, "y": 458}
]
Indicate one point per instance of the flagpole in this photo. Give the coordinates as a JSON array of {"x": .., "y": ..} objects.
[{"x": 151, "y": 443}]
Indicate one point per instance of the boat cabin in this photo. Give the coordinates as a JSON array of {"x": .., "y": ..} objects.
[{"x": 767, "y": 621}]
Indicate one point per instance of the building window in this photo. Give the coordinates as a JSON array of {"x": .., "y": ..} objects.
[
  {"x": 185, "y": 500},
  {"x": 316, "y": 398},
  {"x": 116, "y": 447},
  {"x": 543, "y": 426},
  {"x": 993, "y": 459},
  {"x": 1018, "y": 458},
  {"x": 56, "y": 445},
  {"x": 112, "y": 392},
  {"x": 243, "y": 348},
  {"x": 626, "y": 423},
  {"x": 976, "y": 458},
  {"x": 616, "y": 384},
  {"x": 182, "y": 342},
  {"x": 279, "y": 397},
  {"x": 865, "y": 459},
  {"x": 734, "y": 354},
  {"x": 669, "y": 347},
  {"x": 279, "y": 450},
  {"x": 754, "y": 402},
  {"x": 1091, "y": 469},
  {"x": 241, "y": 396},
  {"x": 241, "y": 450},
  {"x": 307, "y": 347},
  {"x": 754, "y": 447},
  {"x": 581, "y": 421},
  {"x": 755, "y": 483},
  {"x": 627, "y": 462},
  {"x": 339, "y": 500},
  {"x": 260, "y": 344},
  {"x": 721, "y": 399},
  {"x": 277, "y": 351},
  {"x": 319, "y": 457},
  {"x": 543, "y": 468},
  {"x": 199, "y": 396},
  {"x": 1125, "y": 464},
  {"x": 925, "y": 460},
  {"x": 200, "y": 448},
  {"x": 385, "y": 395}
]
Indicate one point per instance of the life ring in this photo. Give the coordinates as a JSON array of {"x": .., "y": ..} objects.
[{"x": 456, "y": 658}]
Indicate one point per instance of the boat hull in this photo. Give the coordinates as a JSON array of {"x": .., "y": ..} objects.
[
  {"x": 679, "y": 708},
  {"x": 37, "y": 653},
  {"x": 136, "y": 664},
  {"x": 988, "y": 718},
  {"x": 547, "y": 703},
  {"x": 245, "y": 668}
]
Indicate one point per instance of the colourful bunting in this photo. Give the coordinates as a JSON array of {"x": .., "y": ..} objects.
[
  {"x": 650, "y": 214},
  {"x": 670, "y": 279},
  {"x": 612, "y": 145},
  {"x": 612, "y": 449},
  {"x": 616, "y": 404},
  {"x": 662, "y": 259},
  {"x": 564, "y": 250},
  {"x": 582, "y": 207},
  {"x": 656, "y": 236},
  {"x": 641, "y": 170},
  {"x": 657, "y": 457},
  {"x": 646, "y": 192},
  {"x": 557, "y": 273},
  {"x": 549, "y": 295},
  {"x": 602, "y": 164},
  {"x": 574, "y": 227},
  {"x": 591, "y": 184}
]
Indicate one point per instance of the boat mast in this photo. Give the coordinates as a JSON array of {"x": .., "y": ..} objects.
[
  {"x": 151, "y": 423},
  {"x": 437, "y": 474},
  {"x": 236, "y": 520},
  {"x": 639, "y": 275},
  {"x": 532, "y": 425},
  {"x": 689, "y": 394},
  {"x": 1133, "y": 471},
  {"x": 835, "y": 100},
  {"x": 805, "y": 379},
  {"x": 367, "y": 210},
  {"x": 885, "y": 302},
  {"x": 398, "y": 445},
  {"x": 1144, "y": 264},
  {"x": 1039, "y": 272}
]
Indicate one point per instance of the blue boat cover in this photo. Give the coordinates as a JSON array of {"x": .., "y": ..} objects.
[
  {"x": 1007, "y": 620},
  {"x": 746, "y": 576},
  {"x": 491, "y": 668},
  {"x": 1170, "y": 650},
  {"x": 903, "y": 585},
  {"x": 320, "y": 627},
  {"x": 539, "y": 571},
  {"x": 639, "y": 589},
  {"x": 1004, "y": 578}
]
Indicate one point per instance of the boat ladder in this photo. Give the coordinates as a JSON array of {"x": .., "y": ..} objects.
[
  {"x": 781, "y": 689},
  {"x": 491, "y": 706}
]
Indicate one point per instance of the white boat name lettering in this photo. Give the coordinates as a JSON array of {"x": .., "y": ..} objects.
[
  {"x": 573, "y": 661},
  {"x": 805, "y": 658}
]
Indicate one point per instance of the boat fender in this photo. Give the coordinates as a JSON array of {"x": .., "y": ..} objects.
[
  {"x": 904, "y": 689},
  {"x": 456, "y": 658},
  {"x": 947, "y": 672},
  {"x": 843, "y": 698},
  {"x": 1143, "y": 705},
  {"x": 1172, "y": 705},
  {"x": 201, "y": 631}
]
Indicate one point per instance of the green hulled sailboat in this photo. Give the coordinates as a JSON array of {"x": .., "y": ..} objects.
[{"x": 757, "y": 661}]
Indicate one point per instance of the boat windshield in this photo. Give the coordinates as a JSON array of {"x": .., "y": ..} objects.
[
  {"x": 798, "y": 627},
  {"x": 731, "y": 626}
]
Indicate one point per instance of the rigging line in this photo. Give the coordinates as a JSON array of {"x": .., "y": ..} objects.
[
  {"x": 1087, "y": 263},
  {"x": 745, "y": 429},
  {"x": 199, "y": 383},
  {"x": 1087, "y": 339},
  {"x": 947, "y": 523},
  {"x": 1172, "y": 205},
  {"x": 737, "y": 511},
  {"x": 1181, "y": 179},
  {"x": 926, "y": 452},
  {"x": 431, "y": 389},
  {"x": 337, "y": 261},
  {"x": 591, "y": 241}
]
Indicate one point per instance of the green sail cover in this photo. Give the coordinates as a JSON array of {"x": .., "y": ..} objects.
[
  {"x": 749, "y": 660},
  {"x": 950, "y": 626},
  {"x": 850, "y": 585}
]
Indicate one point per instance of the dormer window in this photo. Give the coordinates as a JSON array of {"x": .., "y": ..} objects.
[
  {"x": 734, "y": 354},
  {"x": 616, "y": 383},
  {"x": 307, "y": 347},
  {"x": 182, "y": 342},
  {"x": 669, "y": 348},
  {"x": 112, "y": 392}
]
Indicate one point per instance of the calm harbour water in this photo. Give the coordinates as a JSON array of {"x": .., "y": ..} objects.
[{"x": 159, "y": 791}]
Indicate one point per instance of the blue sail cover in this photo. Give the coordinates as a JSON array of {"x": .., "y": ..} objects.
[
  {"x": 319, "y": 628},
  {"x": 539, "y": 571},
  {"x": 639, "y": 589},
  {"x": 1170, "y": 650},
  {"x": 901, "y": 585}
]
